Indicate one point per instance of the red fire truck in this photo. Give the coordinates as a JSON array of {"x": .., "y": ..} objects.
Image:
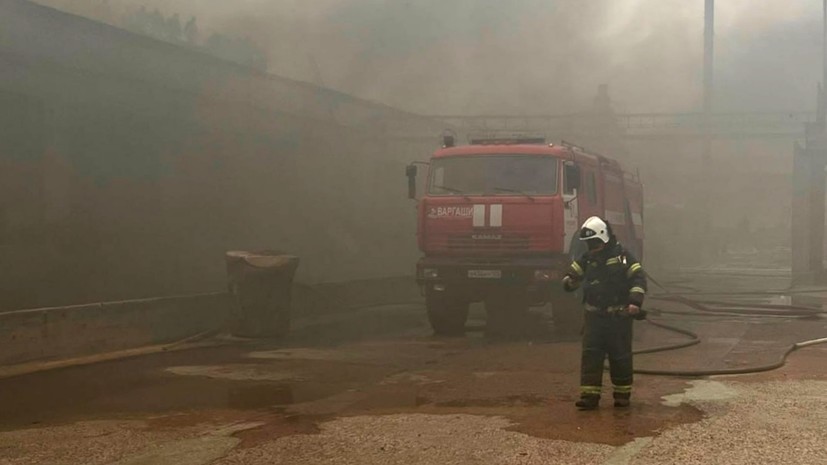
[{"x": 498, "y": 224}]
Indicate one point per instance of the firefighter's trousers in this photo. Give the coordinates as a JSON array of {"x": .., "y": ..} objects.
[{"x": 606, "y": 335}]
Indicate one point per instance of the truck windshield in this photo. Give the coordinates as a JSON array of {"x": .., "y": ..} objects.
[{"x": 515, "y": 175}]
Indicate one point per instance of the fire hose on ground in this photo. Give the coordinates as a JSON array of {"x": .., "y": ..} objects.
[
  {"x": 701, "y": 308},
  {"x": 725, "y": 308}
]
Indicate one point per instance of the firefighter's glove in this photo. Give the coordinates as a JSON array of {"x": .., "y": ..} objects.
[
  {"x": 570, "y": 284},
  {"x": 636, "y": 312}
]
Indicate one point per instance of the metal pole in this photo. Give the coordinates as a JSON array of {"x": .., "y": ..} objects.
[
  {"x": 709, "y": 51},
  {"x": 823, "y": 90},
  {"x": 706, "y": 171},
  {"x": 809, "y": 188}
]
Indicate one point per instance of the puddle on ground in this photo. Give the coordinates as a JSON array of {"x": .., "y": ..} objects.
[
  {"x": 280, "y": 426},
  {"x": 265, "y": 395},
  {"x": 202, "y": 450},
  {"x": 329, "y": 355},
  {"x": 236, "y": 372},
  {"x": 144, "y": 386},
  {"x": 400, "y": 397},
  {"x": 524, "y": 400},
  {"x": 418, "y": 379},
  {"x": 701, "y": 391}
]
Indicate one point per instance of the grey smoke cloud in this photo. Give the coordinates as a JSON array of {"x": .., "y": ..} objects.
[{"x": 524, "y": 56}]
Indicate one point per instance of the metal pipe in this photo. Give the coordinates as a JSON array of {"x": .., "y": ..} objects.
[
  {"x": 709, "y": 52},
  {"x": 823, "y": 90}
]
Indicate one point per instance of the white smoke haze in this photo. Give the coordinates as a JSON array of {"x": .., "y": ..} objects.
[{"x": 523, "y": 56}]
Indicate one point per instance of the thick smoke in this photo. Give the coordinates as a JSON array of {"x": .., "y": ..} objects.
[
  {"x": 523, "y": 56},
  {"x": 549, "y": 57}
]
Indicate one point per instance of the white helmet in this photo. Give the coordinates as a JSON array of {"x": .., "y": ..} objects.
[{"x": 595, "y": 228}]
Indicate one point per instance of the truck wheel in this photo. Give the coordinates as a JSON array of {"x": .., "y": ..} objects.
[
  {"x": 568, "y": 314},
  {"x": 447, "y": 314},
  {"x": 506, "y": 312}
]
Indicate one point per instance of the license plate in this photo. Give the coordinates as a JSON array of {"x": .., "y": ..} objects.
[{"x": 485, "y": 274}]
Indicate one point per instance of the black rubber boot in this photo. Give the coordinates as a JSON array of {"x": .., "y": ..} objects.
[
  {"x": 621, "y": 400},
  {"x": 588, "y": 402}
]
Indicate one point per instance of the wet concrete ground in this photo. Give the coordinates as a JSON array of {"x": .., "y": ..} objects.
[{"x": 379, "y": 389}]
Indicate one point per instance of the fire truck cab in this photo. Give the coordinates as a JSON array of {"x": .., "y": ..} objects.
[{"x": 498, "y": 223}]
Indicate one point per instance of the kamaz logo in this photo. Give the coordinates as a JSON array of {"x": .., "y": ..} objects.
[{"x": 487, "y": 237}]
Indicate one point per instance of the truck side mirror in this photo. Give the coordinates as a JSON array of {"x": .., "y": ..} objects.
[
  {"x": 571, "y": 177},
  {"x": 410, "y": 172}
]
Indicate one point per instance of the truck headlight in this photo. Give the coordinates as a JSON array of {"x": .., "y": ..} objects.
[{"x": 430, "y": 273}]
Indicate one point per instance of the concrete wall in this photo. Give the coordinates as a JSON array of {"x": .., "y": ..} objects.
[
  {"x": 58, "y": 333},
  {"x": 128, "y": 166}
]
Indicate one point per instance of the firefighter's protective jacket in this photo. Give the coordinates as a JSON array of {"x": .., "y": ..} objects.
[{"x": 612, "y": 277}]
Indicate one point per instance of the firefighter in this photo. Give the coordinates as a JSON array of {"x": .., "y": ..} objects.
[{"x": 614, "y": 285}]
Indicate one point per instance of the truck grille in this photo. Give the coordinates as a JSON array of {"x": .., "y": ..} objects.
[{"x": 471, "y": 244}]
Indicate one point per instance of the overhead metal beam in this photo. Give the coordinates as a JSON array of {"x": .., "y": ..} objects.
[{"x": 645, "y": 125}]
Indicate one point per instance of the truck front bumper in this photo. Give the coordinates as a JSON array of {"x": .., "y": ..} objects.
[{"x": 475, "y": 277}]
